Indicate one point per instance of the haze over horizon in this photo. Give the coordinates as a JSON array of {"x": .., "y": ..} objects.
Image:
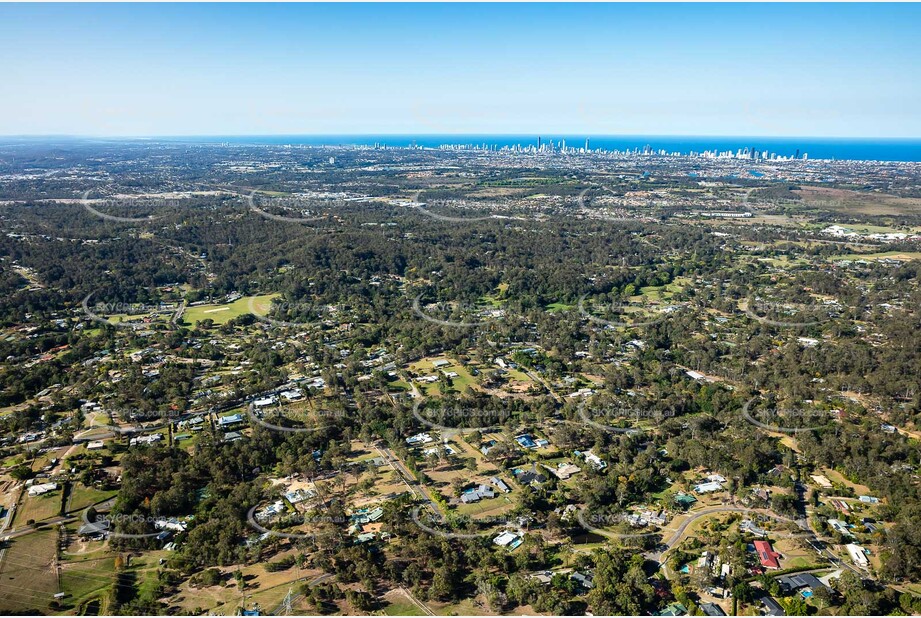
[{"x": 671, "y": 70}]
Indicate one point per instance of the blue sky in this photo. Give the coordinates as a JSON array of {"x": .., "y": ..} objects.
[{"x": 660, "y": 69}]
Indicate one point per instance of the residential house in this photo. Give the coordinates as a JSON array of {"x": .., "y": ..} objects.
[
  {"x": 858, "y": 555},
  {"x": 766, "y": 554},
  {"x": 712, "y": 609},
  {"x": 500, "y": 484},
  {"x": 772, "y": 607},
  {"x": 229, "y": 420},
  {"x": 475, "y": 494},
  {"x": 42, "y": 489},
  {"x": 799, "y": 581},
  {"x": 507, "y": 539},
  {"x": 419, "y": 438}
]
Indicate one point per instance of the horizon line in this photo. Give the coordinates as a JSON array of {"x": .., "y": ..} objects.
[{"x": 449, "y": 134}]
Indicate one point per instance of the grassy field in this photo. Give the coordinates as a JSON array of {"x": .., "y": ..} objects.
[
  {"x": 518, "y": 376},
  {"x": 781, "y": 261},
  {"x": 836, "y": 477},
  {"x": 266, "y": 589},
  {"x": 27, "y": 581},
  {"x": 84, "y": 580},
  {"x": 82, "y": 497},
  {"x": 898, "y": 255},
  {"x": 854, "y": 202},
  {"x": 795, "y": 556},
  {"x": 38, "y": 508},
  {"x": 122, "y": 318},
  {"x": 462, "y": 382},
  {"x": 402, "y": 608},
  {"x": 660, "y": 293},
  {"x": 398, "y": 604},
  {"x": 221, "y": 314},
  {"x": 492, "y": 507}
]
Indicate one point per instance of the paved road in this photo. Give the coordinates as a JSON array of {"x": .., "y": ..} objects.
[
  {"x": 11, "y": 507},
  {"x": 812, "y": 538},
  {"x": 822, "y": 549},
  {"x": 537, "y": 378},
  {"x": 679, "y": 533}
]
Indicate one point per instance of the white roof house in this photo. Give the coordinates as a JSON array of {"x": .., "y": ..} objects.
[
  {"x": 839, "y": 526},
  {"x": 505, "y": 539},
  {"x": 40, "y": 490},
  {"x": 230, "y": 419},
  {"x": 708, "y": 487},
  {"x": 154, "y": 437},
  {"x": 293, "y": 395},
  {"x": 857, "y": 554}
]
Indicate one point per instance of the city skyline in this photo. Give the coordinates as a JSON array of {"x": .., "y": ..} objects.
[{"x": 671, "y": 70}]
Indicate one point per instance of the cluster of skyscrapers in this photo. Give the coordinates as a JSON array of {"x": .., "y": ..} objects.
[{"x": 561, "y": 147}]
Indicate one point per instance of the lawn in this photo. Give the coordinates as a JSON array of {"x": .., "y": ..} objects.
[
  {"x": 28, "y": 582},
  {"x": 518, "y": 376},
  {"x": 38, "y": 508},
  {"x": 856, "y": 202},
  {"x": 266, "y": 589},
  {"x": 398, "y": 604},
  {"x": 221, "y": 314},
  {"x": 84, "y": 580},
  {"x": 461, "y": 383},
  {"x": 398, "y": 386},
  {"x": 836, "y": 477},
  {"x": 137, "y": 319},
  {"x": 899, "y": 255},
  {"x": 659, "y": 293},
  {"x": 795, "y": 556},
  {"x": 489, "y": 508},
  {"x": 82, "y": 497}
]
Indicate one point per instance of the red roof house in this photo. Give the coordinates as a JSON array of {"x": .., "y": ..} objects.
[{"x": 767, "y": 555}]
